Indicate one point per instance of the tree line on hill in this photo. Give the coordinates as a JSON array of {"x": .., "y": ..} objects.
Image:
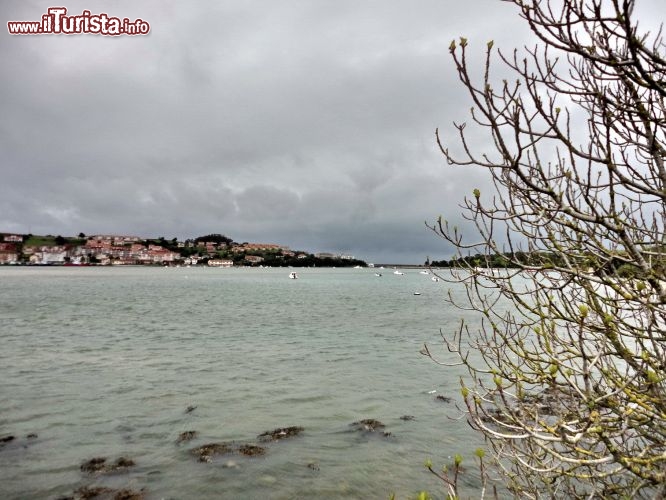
[{"x": 617, "y": 265}]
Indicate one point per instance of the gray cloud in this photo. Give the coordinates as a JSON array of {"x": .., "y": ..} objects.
[{"x": 309, "y": 124}]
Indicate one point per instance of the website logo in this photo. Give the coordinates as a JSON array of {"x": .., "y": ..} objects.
[{"x": 57, "y": 22}]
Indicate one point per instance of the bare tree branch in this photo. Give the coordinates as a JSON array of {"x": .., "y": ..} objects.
[{"x": 568, "y": 370}]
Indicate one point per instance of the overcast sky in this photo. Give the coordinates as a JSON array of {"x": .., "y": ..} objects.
[{"x": 306, "y": 123}]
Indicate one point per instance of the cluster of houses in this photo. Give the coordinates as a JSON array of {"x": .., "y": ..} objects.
[
  {"x": 132, "y": 250},
  {"x": 123, "y": 250},
  {"x": 9, "y": 253},
  {"x": 98, "y": 249}
]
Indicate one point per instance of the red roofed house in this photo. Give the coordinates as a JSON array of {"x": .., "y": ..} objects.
[{"x": 8, "y": 253}]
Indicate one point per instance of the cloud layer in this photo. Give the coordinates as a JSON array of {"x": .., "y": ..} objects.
[{"x": 309, "y": 124}]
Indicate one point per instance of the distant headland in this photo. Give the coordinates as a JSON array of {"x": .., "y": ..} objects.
[{"x": 214, "y": 250}]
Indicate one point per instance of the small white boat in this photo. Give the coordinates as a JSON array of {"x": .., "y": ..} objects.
[
  {"x": 435, "y": 278},
  {"x": 400, "y": 273},
  {"x": 424, "y": 272},
  {"x": 293, "y": 275},
  {"x": 378, "y": 274},
  {"x": 417, "y": 293}
]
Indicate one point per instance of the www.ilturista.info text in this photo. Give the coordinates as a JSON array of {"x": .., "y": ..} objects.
[{"x": 56, "y": 22}]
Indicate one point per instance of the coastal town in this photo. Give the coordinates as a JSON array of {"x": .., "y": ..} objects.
[{"x": 214, "y": 250}]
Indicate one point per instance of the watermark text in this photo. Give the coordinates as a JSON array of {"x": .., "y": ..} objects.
[{"x": 57, "y": 22}]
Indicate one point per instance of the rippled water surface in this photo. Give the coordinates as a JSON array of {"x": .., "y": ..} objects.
[{"x": 104, "y": 362}]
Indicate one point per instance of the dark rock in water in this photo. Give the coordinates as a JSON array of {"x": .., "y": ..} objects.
[
  {"x": 407, "y": 417},
  {"x": 94, "y": 465},
  {"x": 123, "y": 462},
  {"x": 190, "y": 409},
  {"x": 126, "y": 494},
  {"x": 213, "y": 449},
  {"x": 6, "y": 439},
  {"x": 368, "y": 425},
  {"x": 281, "y": 433},
  {"x": 251, "y": 450},
  {"x": 99, "y": 464},
  {"x": 186, "y": 436},
  {"x": 208, "y": 451},
  {"x": 103, "y": 493},
  {"x": 443, "y": 399},
  {"x": 12, "y": 441},
  {"x": 88, "y": 492}
]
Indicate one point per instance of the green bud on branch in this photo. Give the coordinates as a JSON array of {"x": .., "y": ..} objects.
[{"x": 584, "y": 310}]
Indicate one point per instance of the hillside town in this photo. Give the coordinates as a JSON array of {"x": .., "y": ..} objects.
[{"x": 213, "y": 250}]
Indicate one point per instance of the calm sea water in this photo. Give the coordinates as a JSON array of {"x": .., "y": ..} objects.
[{"x": 104, "y": 362}]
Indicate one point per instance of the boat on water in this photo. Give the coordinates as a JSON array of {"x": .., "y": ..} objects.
[
  {"x": 378, "y": 274},
  {"x": 435, "y": 278},
  {"x": 293, "y": 275},
  {"x": 400, "y": 273},
  {"x": 424, "y": 272}
]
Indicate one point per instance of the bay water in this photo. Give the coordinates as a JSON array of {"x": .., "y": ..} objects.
[{"x": 120, "y": 361}]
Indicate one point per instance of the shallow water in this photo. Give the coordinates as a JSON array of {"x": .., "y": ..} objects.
[{"x": 106, "y": 361}]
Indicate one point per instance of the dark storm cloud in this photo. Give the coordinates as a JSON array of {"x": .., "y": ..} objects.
[{"x": 309, "y": 124}]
